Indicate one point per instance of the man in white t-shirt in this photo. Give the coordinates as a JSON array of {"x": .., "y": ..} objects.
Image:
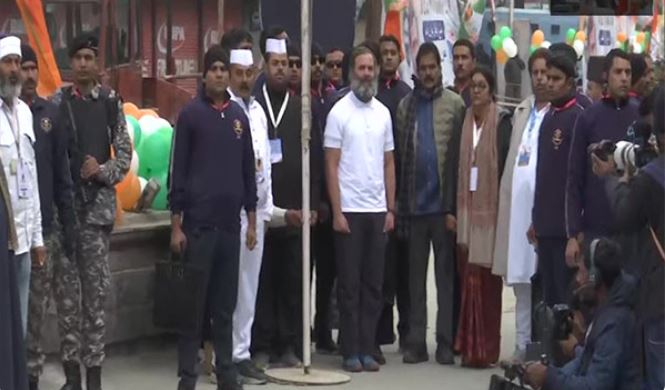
[{"x": 360, "y": 170}]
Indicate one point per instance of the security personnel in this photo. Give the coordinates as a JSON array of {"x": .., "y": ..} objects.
[
  {"x": 95, "y": 124},
  {"x": 55, "y": 185}
]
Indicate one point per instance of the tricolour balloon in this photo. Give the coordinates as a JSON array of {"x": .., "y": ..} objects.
[
  {"x": 496, "y": 42},
  {"x": 505, "y": 32},
  {"x": 510, "y": 47},
  {"x": 546, "y": 44},
  {"x": 501, "y": 57},
  {"x": 537, "y": 38},
  {"x": 134, "y": 129},
  {"x": 579, "y": 47}
]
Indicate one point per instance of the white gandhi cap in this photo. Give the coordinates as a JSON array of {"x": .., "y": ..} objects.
[
  {"x": 242, "y": 57},
  {"x": 275, "y": 46},
  {"x": 10, "y": 46}
]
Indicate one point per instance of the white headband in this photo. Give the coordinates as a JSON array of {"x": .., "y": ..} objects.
[
  {"x": 242, "y": 57},
  {"x": 275, "y": 46},
  {"x": 10, "y": 46}
]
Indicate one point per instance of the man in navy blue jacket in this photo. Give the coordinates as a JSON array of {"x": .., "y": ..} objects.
[
  {"x": 212, "y": 178},
  {"x": 587, "y": 208}
]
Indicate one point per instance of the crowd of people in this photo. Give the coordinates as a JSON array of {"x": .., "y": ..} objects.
[{"x": 529, "y": 197}]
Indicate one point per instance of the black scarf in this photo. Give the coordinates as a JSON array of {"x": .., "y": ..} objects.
[{"x": 406, "y": 199}]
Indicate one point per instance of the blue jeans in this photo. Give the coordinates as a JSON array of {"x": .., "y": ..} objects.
[
  {"x": 654, "y": 351},
  {"x": 23, "y": 270}
]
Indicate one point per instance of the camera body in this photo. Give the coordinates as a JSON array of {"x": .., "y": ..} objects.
[
  {"x": 563, "y": 322},
  {"x": 635, "y": 153}
]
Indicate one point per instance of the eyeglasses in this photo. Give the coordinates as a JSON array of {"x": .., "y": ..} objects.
[
  {"x": 334, "y": 64},
  {"x": 318, "y": 60},
  {"x": 295, "y": 63}
]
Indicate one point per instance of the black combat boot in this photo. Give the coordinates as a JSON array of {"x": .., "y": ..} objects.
[
  {"x": 93, "y": 378},
  {"x": 72, "y": 375}
]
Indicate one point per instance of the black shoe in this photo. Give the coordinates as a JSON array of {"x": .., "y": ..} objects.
[
  {"x": 72, "y": 376},
  {"x": 250, "y": 374},
  {"x": 33, "y": 382},
  {"x": 444, "y": 355},
  {"x": 378, "y": 356},
  {"x": 93, "y": 378},
  {"x": 230, "y": 386},
  {"x": 413, "y": 356},
  {"x": 326, "y": 347}
]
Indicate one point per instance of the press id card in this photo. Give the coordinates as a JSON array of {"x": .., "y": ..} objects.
[
  {"x": 276, "y": 151},
  {"x": 524, "y": 156},
  {"x": 473, "y": 179},
  {"x": 24, "y": 187}
]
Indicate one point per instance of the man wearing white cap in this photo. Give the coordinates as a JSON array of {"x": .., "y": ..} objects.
[
  {"x": 277, "y": 328},
  {"x": 18, "y": 159},
  {"x": 241, "y": 81}
]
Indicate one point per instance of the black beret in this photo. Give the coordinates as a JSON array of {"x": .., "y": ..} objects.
[
  {"x": 84, "y": 41},
  {"x": 563, "y": 63},
  {"x": 214, "y": 54},
  {"x": 564, "y": 49},
  {"x": 27, "y": 54}
]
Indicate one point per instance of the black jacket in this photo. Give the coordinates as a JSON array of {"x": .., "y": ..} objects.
[
  {"x": 610, "y": 357},
  {"x": 636, "y": 206}
]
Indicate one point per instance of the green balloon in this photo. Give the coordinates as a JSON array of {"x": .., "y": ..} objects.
[
  {"x": 505, "y": 32},
  {"x": 532, "y": 49},
  {"x": 133, "y": 125},
  {"x": 570, "y": 35},
  {"x": 161, "y": 201},
  {"x": 496, "y": 42},
  {"x": 155, "y": 153}
]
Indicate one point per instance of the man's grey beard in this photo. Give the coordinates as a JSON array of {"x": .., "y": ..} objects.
[
  {"x": 364, "y": 90},
  {"x": 9, "y": 90}
]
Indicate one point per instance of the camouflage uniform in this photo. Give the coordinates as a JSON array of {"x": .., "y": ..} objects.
[{"x": 83, "y": 284}]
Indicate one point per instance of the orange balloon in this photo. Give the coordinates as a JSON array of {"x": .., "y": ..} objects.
[
  {"x": 621, "y": 37},
  {"x": 129, "y": 191},
  {"x": 537, "y": 38},
  {"x": 501, "y": 57},
  {"x": 118, "y": 211},
  {"x": 640, "y": 37},
  {"x": 581, "y": 35},
  {"x": 147, "y": 112},
  {"x": 130, "y": 109}
]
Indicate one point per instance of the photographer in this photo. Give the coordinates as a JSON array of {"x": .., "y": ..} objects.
[
  {"x": 637, "y": 204},
  {"x": 609, "y": 359}
]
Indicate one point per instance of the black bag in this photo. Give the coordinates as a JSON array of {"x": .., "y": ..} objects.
[
  {"x": 179, "y": 297},
  {"x": 497, "y": 382}
]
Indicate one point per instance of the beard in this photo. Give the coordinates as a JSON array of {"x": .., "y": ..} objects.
[
  {"x": 9, "y": 89},
  {"x": 364, "y": 90}
]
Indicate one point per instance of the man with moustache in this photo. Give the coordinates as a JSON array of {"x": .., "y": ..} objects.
[
  {"x": 272, "y": 32},
  {"x": 96, "y": 126},
  {"x": 514, "y": 258},
  {"x": 212, "y": 178},
  {"x": 361, "y": 183},
  {"x": 333, "y": 71},
  {"x": 277, "y": 331},
  {"x": 588, "y": 213},
  {"x": 55, "y": 187},
  {"x": 429, "y": 122},
  {"x": 396, "y": 281},
  {"x": 464, "y": 62},
  {"x": 241, "y": 80},
  {"x": 295, "y": 69}
]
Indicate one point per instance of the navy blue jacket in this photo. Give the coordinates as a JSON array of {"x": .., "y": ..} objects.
[
  {"x": 556, "y": 133},
  {"x": 53, "y": 174},
  {"x": 610, "y": 357},
  {"x": 212, "y": 168},
  {"x": 587, "y": 206},
  {"x": 390, "y": 93}
]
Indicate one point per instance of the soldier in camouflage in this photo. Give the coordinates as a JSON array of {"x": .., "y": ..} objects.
[
  {"x": 96, "y": 124},
  {"x": 55, "y": 186}
]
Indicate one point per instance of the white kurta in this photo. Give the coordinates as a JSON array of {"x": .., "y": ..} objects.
[{"x": 521, "y": 254}]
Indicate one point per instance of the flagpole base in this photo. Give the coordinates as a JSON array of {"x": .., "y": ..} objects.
[{"x": 309, "y": 377}]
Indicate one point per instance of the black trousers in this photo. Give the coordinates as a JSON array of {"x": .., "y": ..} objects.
[
  {"x": 555, "y": 276},
  {"x": 326, "y": 273},
  {"x": 360, "y": 265},
  {"x": 395, "y": 288},
  {"x": 423, "y": 231},
  {"x": 217, "y": 252},
  {"x": 278, "y": 319}
]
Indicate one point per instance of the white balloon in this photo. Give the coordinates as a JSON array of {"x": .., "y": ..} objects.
[
  {"x": 143, "y": 182},
  {"x": 546, "y": 44},
  {"x": 134, "y": 164},
  {"x": 617, "y": 44},
  {"x": 149, "y": 124},
  {"x": 637, "y": 49},
  {"x": 130, "y": 130},
  {"x": 509, "y": 47},
  {"x": 579, "y": 47}
]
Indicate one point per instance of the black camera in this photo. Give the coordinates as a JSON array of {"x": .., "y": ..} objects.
[
  {"x": 636, "y": 152},
  {"x": 563, "y": 322},
  {"x": 512, "y": 379}
]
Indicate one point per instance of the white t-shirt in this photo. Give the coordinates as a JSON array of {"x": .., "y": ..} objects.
[{"x": 363, "y": 132}]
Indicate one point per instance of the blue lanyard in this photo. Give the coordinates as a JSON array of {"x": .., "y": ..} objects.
[{"x": 532, "y": 119}]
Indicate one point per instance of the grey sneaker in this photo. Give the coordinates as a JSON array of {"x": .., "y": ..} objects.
[{"x": 250, "y": 374}]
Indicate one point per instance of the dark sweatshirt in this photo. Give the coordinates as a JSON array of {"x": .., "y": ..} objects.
[
  {"x": 212, "y": 167},
  {"x": 390, "y": 93},
  {"x": 287, "y": 174},
  {"x": 587, "y": 208},
  {"x": 554, "y": 142}
]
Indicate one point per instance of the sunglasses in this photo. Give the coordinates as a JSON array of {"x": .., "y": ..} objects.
[
  {"x": 318, "y": 60},
  {"x": 295, "y": 63},
  {"x": 333, "y": 65}
]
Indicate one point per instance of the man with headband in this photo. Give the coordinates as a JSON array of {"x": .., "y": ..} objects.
[
  {"x": 213, "y": 173},
  {"x": 55, "y": 187},
  {"x": 241, "y": 81},
  {"x": 94, "y": 120}
]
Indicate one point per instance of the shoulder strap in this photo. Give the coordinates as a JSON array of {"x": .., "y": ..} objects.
[{"x": 657, "y": 242}]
